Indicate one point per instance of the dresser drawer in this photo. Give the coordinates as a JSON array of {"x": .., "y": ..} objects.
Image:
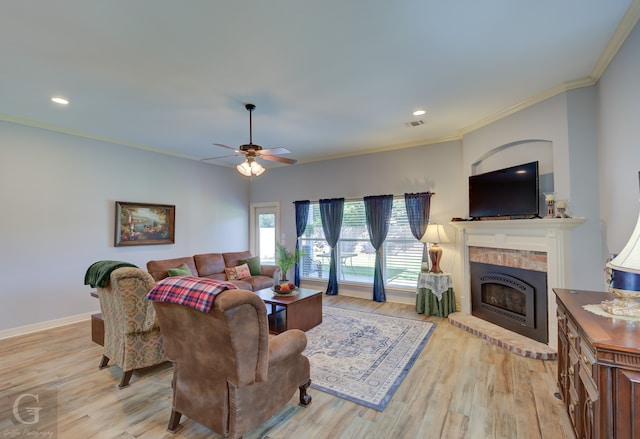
[
  {"x": 562, "y": 319},
  {"x": 572, "y": 334},
  {"x": 587, "y": 358}
]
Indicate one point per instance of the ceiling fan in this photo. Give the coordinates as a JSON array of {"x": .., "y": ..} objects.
[{"x": 251, "y": 151}]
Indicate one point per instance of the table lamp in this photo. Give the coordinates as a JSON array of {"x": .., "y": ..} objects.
[
  {"x": 625, "y": 277},
  {"x": 434, "y": 235}
]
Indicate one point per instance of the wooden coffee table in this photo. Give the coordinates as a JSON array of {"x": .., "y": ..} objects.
[{"x": 301, "y": 311}]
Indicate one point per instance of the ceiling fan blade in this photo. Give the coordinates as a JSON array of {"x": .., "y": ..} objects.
[
  {"x": 221, "y": 157},
  {"x": 275, "y": 158},
  {"x": 273, "y": 151},
  {"x": 226, "y": 146}
]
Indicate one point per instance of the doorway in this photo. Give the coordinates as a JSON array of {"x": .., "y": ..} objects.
[{"x": 265, "y": 228}]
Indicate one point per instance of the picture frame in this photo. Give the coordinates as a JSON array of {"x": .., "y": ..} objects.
[{"x": 144, "y": 224}]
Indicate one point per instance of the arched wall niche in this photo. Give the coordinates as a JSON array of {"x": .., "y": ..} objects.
[
  {"x": 519, "y": 152},
  {"x": 516, "y": 153}
]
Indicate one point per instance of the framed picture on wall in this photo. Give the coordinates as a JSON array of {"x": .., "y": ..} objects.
[{"x": 144, "y": 224}]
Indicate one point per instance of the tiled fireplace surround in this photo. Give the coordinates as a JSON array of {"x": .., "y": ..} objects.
[{"x": 535, "y": 244}]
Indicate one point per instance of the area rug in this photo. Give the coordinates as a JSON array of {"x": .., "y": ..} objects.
[{"x": 363, "y": 357}]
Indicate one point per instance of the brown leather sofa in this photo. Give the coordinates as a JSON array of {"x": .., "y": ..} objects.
[
  {"x": 229, "y": 374},
  {"x": 212, "y": 265}
]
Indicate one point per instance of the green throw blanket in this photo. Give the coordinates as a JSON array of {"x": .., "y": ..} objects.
[{"x": 98, "y": 273}]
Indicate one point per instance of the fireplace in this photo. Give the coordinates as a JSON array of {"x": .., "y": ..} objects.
[
  {"x": 513, "y": 298},
  {"x": 533, "y": 238}
]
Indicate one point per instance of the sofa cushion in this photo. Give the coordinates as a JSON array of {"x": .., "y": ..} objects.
[
  {"x": 159, "y": 269},
  {"x": 254, "y": 265},
  {"x": 259, "y": 282},
  {"x": 210, "y": 264},
  {"x": 182, "y": 270},
  {"x": 231, "y": 259},
  {"x": 217, "y": 276},
  {"x": 242, "y": 284}
]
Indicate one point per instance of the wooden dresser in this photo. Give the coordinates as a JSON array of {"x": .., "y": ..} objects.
[{"x": 598, "y": 368}]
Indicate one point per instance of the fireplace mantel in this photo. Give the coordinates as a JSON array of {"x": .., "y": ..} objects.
[{"x": 552, "y": 236}]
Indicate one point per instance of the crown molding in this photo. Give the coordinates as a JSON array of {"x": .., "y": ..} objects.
[
  {"x": 626, "y": 25},
  {"x": 535, "y": 99},
  {"x": 628, "y": 22},
  {"x": 72, "y": 132},
  {"x": 422, "y": 142}
]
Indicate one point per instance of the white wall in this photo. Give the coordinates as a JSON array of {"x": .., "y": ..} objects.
[
  {"x": 619, "y": 143},
  {"x": 58, "y": 194}
]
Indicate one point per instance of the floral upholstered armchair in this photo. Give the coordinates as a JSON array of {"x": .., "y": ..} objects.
[{"x": 131, "y": 333}]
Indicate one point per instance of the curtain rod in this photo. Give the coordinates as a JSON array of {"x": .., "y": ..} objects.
[{"x": 359, "y": 199}]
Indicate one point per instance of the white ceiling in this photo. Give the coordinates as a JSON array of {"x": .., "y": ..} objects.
[{"x": 329, "y": 78}]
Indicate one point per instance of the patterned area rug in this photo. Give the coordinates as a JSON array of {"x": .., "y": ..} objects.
[{"x": 363, "y": 357}]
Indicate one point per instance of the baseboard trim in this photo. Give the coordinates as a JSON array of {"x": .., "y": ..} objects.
[{"x": 49, "y": 324}]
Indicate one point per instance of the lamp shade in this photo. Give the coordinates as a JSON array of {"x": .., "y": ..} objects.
[
  {"x": 625, "y": 267},
  {"x": 244, "y": 168},
  {"x": 250, "y": 167},
  {"x": 629, "y": 258},
  {"x": 435, "y": 234}
]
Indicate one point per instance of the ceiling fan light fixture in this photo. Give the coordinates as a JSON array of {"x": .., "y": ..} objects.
[
  {"x": 244, "y": 168},
  {"x": 250, "y": 167},
  {"x": 256, "y": 168}
]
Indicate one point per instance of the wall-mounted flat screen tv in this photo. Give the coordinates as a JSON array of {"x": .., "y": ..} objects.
[{"x": 512, "y": 192}]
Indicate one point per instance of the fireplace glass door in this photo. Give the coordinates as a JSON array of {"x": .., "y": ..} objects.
[{"x": 513, "y": 298}]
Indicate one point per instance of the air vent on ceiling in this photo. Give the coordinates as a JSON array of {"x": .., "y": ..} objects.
[{"x": 415, "y": 123}]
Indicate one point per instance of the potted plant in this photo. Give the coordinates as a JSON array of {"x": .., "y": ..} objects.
[{"x": 285, "y": 259}]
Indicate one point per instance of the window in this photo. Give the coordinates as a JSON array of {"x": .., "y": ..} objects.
[
  {"x": 402, "y": 253},
  {"x": 264, "y": 228}
]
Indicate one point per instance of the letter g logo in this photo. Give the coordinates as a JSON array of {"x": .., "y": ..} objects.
[{"x": 34, "y": 411}]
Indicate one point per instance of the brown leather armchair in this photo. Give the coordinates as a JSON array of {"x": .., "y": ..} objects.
[
  {"x": 131, "y": 333},
  {"x": 229, "y": 374}
]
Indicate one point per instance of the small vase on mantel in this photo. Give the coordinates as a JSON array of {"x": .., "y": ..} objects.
[{"x": 550, "y": 201}]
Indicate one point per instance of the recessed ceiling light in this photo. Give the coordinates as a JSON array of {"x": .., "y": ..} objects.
[
  {"x": 59, "y": 100},
  {"x": 419, "y": 112}
]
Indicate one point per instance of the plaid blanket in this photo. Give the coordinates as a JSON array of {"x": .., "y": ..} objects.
[{"x": 195, "y": 292}]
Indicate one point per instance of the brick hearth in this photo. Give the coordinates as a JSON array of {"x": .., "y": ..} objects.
[{"x": 516, "y": 343}]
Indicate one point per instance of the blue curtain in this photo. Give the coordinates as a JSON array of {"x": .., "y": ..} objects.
[
  {"x": 418, "y": 206},
  {"x": 331, "y": 215},
  {"x": 302, "y": 213},
  {"x": 378, "y": 211}
]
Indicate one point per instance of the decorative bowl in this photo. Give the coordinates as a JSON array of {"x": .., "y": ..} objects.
[
  {"x": 624, "y": 294},
  {"x": 284, "y": 293}
]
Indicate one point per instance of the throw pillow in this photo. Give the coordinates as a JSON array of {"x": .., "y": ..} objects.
[
  {"x": 182, "y": 270},
  {"x": 254, "y": 265},
  {"x": 243, "y": 271},
  {"x": 232, "y": 273},
  {"x": 239, "y": 272}
]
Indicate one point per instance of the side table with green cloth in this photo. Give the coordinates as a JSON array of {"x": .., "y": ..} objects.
[{"x": 435, "y": 296}]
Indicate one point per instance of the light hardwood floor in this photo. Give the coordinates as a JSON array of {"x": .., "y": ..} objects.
[{"x": 460, "y": 387}]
